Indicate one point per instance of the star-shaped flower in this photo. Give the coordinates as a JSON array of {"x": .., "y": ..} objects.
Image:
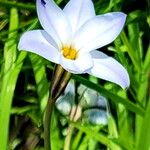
[{"x": 72, "y": 35}]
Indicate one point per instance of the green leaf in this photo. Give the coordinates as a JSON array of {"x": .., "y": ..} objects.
[
  {"x": 113, "y": 132},
  {"x": 124, "y": 126},
  {"x": 41, "y": 80},
  {"x": 147, "y": 60},
  {"x": 76, "y": 140},
  {"x": 11, "y": 67},
  {"x": 8, "y": 78},
  {"x": 143, "y": 143},
  {"x": 56, "y": 139},
  {"x": 115, "y": 98},
  {"x": 103, "y": 139},
  {"x": 130, "y": 51}
]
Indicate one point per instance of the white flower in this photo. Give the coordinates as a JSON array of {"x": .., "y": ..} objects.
[{"x": 72, "y": 35}]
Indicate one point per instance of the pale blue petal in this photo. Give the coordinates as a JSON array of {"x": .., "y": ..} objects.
[
  {"x": 99, "y": 31},
  {"x": 91, "y": 98},
  {"x": 95, "y": 116},
  {"x": 109, "y": 69},
  {"x": 70, "y": 88},
  {"x": 38, "y": 42},
  {"x": 78, "y": 12},
  {"x": 79, "y": 65},
  {"x": 54, "y": 21},
  {"x": 65, "y": 102}
]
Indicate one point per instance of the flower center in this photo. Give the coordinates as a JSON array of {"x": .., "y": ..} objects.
[{"x": 69, "y": 52}]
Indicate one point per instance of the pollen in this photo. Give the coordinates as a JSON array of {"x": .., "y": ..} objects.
[{"x": 69, "y": 52}]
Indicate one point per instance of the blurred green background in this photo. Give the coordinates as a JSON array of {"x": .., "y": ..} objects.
[{"x": 25, "y": 80}]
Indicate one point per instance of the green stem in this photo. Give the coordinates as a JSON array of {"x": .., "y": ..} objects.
[
  {"x": 75, "y": 114},
  {"x": 47, "y": 123},
  {"x": 60, "y": 80},
  {"x": 68, "y": 138}
]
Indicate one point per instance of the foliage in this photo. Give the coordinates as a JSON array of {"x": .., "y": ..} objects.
[{"x": 25, "y": 80}]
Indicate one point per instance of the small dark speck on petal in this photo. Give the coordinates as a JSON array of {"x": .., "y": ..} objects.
[{"x": 43, "y": 2}]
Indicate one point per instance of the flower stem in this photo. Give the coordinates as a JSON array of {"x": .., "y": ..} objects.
[
  {"x": 74, "y": 116},
  {"x": 60, "y": 80},
  {"x": 47, "y": 123},
  {"x": 68, "y": 138}
]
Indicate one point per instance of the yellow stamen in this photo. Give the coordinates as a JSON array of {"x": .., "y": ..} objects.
[{"x": 69, "y": 52}]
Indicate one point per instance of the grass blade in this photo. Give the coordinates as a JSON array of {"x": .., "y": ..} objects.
[{"x": 115, "y": 98}]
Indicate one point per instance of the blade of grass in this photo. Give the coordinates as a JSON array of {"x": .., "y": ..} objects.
[
  {"x": 97, "y": 136},
  {"x": 56, "y": 139},
  {"x": 113, "y": 132},
  {"x": 124, "y": 126},
  {"x": 130, "y": 51},
  {"x": 76, "y": 140},
  {"x": 136, "y": 41},
  {"x": 8, "y": 80},
  {"x": 11, "y": 67},
  {"x": 115, "y": 98},
  {"x": 6, "y": 32},
  {"x": 147, "y": 59},
  {"x": 142, "y": 92},
  {"x": 143, "y": 142},
  {"x": 41, "y": 80}
]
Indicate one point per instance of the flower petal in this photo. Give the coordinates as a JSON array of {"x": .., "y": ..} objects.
[
  {"x": 91, "y": 98},
  {"x": 54, "y": 21},
  {"x": 78, "y": 12},
  {"x": 65, "y": 102},
  {"x": 95, "y": 116},
  {"x": 99, "y": 31},
  {"x": 35, "y": 41},
  {"x": 70, "y": 88},
  {"x": 78, "y": 66},
  {"x": 109, "y": 69}
]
